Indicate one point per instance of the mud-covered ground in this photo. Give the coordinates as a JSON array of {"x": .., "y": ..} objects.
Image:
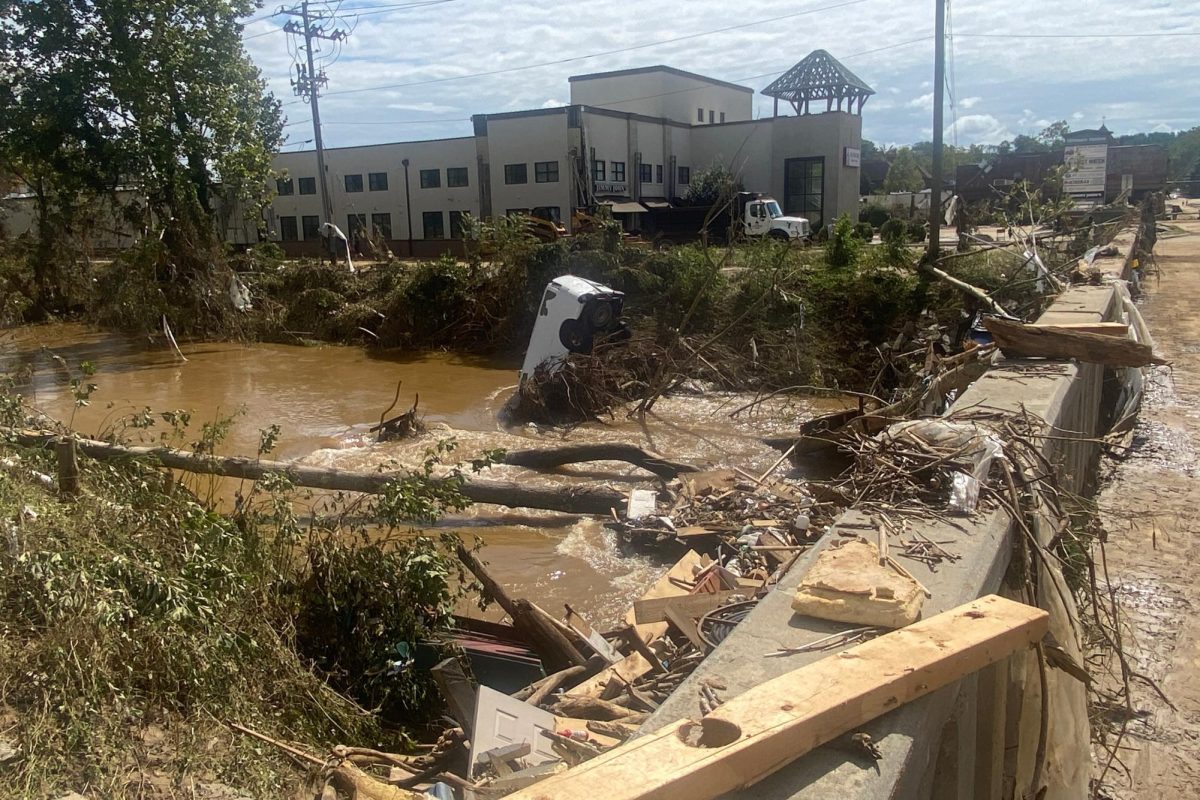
[{"x": 1150, "y": 507}]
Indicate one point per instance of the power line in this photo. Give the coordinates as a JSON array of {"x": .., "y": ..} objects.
[
  {"x": 604, "y": 52},
  {"x": 1149, "y": 35}
]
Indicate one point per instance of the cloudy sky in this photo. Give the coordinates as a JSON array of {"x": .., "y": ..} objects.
[{"x": 411, "y": 69}]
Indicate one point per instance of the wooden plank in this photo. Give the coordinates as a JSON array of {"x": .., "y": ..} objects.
[
  {"x": 1099, "y": 328},
  {"x": 685, "y": 623},
  {"x": 628, "y": 669},
  {"x": 1018, "y": 340},
  {"x": 759, "y": 732},
  {"x": 684, "y": 572},
  {"x": 697, "y": 605}
]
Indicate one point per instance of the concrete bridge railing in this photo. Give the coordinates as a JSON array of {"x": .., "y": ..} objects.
[{"x": 981, "y": 738}]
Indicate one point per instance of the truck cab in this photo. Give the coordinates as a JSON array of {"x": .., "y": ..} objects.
[{"x": 762, "y": 216}]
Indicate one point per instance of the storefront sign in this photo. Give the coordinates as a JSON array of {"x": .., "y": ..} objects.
[
  {"x": 611, "y": 188},
  {"x": 1087, "y": 168},
  {"x": 853, "y": 157}
]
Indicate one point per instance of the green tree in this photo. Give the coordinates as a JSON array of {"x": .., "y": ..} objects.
[
  {"x": 157, "y": 93},
  {"x": 904, "y": 175},
  {"x": 713, "y": 185},
  {"x": 1053, "y": 136}
]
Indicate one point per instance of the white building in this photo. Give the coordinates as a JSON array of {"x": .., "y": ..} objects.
[{"x": 631, "y": 139}]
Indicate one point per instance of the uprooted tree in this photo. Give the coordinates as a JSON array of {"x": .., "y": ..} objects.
[{"x": 153, "y": 96}]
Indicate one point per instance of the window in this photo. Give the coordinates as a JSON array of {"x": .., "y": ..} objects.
[
  {"x": 711, "y": 116},
  {"x": 699, "y": 115},
  {"x": 618, "y": 171},
  {"x": 646, "y": 173},
  {"x": 516, "y": 173},
  {"x": 283, "y": 186},
  {"x": 804, "y": 189},
  {"x": 287, "y": 229},
  {"x": 552, "y": 213},
  {"x": 722, "y": 116},
  {"x": 685, "y": 174},
  {"x": 354, "y": 183},
  {"x": 456, "y": 223},
  {"x": 456, "y": 176},
  {"x": 598, "y": 171},
  {"x": 658, "y": 173},
  {"x": 377, "y": 181},
  {"x": 308, "y": 186},
  {"x": 432, "y": 222},
  {"x": 381, "y": 225},
  {"x": 311, "y": 225},
  {"x": 431, "y": 178},
  {"x": 356, "y": 225},
  {"x": 545, "y": 171}
]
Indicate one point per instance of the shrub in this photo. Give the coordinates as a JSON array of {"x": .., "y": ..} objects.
[
  {"x": 864, "y": 231},
  {"x": 842, "y": 249},
  {"x": 916, "y": 231},
  {"x": 877, "y": 215}
]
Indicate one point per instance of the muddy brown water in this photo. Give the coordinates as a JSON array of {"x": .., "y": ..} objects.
[{"x": 326, "y": 398}]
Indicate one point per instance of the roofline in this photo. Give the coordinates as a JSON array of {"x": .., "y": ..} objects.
[
  {"x": 609, "y": 112},
  {"x": 659, "y": 68},
  {"x": 382, "y": 144},
  {"x": 532, "y": 112}
]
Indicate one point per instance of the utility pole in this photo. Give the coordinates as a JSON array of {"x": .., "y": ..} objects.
[
  {"x": 307, "y": 85},
  {"x": 939, "y": 89}
]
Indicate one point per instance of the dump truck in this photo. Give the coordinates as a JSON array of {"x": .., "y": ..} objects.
[{"x": 745, "y": 215}]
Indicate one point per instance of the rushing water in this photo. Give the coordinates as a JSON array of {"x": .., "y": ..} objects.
[{"x": 326, "y": 398}]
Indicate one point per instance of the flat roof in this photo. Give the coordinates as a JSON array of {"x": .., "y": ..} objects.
[
  {"x": 658, "y": 68},
  {"x": 378, "y": 144}
]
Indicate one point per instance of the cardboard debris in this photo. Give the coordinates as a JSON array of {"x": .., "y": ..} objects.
[{"x": 848, "y": 584}]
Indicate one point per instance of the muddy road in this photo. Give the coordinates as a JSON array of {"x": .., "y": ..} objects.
[
  {"x": 1149, "y": 509},
  {"x": 326, "y": 398}
]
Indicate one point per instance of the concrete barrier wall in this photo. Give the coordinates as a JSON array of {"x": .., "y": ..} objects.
[{"x": 978, "y": 739}]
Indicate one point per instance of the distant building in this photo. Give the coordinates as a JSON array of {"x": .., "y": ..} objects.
[
  {"x": 630, "y": 139},
  {"x": 1100, "y": 172}
]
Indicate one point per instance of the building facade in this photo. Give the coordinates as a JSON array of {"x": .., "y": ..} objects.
[{"x": 630, "y": 139}]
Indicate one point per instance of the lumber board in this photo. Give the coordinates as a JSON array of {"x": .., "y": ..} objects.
[
  {"x": 1018, "y": 340},
  {"x": 684, "y": 571},
  {"x": 695, "y": 605},
  {"x": 757, "y": 733}
]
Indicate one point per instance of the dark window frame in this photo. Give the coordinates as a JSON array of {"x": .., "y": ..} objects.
[
  {"x": 516, "y": 174},
  {"x": 798, "y": 200},
  {"x": 285, "y": 230},
  {"x": 658, "y": 173},
  {"x": 438, "y": 230},
  {"x": 683, "y": 175},
  {"x": 722, "y": 117},
  {"x": 712, "y": 117},
  {"x": 599, "y": 170},
  {"x": 645, "y": 173},
  {"x": 306, "y": 185},
  {"x": 351, "y": 227},
  {"x": 457, "y": 177},
  {"x": 543, "y": 172},
  {"x": 310, "y": 227},
  {"x": 618, "y": 171},
  {"x": 285, "y": 187},
  {"x": 430, "y": 178},
  {"x": 353, "y": 183},
  {"x": 456, "y": 217},
  {"x": 699, "y": 115},
  {"x": 374, "y": 179},
  {"x": 384, "y": 226}
]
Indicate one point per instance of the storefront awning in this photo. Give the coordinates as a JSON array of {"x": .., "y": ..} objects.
[{"x": 626, "y": 207}]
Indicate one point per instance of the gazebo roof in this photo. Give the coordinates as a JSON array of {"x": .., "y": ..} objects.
[{"x": 819, "y": 76}]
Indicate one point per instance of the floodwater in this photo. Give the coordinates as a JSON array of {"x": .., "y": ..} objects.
[{"x": 324, "y": 399}]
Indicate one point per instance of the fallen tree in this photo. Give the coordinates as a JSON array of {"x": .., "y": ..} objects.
[
  {"x": 1020, "y": 341},
  {"x": 568, "y": 499},
  {"x": 577, "y": 453}
]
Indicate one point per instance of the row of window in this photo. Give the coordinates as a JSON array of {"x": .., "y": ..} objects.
[
  {"x": 647, "y": 173},
  {"x": 712, "y": 116},
  {"x": 543, "y": 172},
  {"x": 456, "y": 177},
  {"x": 432, "y": 223},
  {"x": 378, "y": 181}
]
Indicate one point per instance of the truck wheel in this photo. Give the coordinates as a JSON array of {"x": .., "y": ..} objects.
[
  {"x": 575, "y": 336},
  {"x": 778, "y": 235}
]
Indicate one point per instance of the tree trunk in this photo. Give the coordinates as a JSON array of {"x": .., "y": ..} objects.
[
  {"x": 571, "y": 500},
  {"x": 576, "y": 453},
  {"x": 1019, "y": 341}
]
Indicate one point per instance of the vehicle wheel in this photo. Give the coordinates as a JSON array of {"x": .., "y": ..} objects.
[
  {"x": 575, "y": 336},
  {"x": 779, "y": 235}
]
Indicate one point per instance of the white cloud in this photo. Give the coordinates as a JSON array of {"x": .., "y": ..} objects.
[
  {"x": 924, "y": 102},
  {"x": 453, "y": 42},
  {"x": 554, "y": 103},
  {"x": 980, "y": 128}
]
